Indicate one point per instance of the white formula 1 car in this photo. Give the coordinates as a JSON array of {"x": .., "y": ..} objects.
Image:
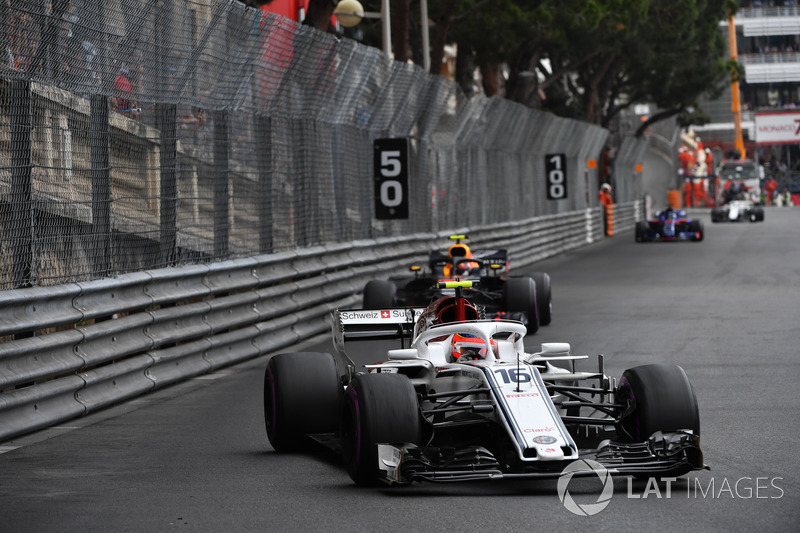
[
  {"x": 463, "y": 401},
  {"x": 738, "y": 211}
]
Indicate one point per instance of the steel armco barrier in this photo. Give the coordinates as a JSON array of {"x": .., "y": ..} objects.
[{"x": 77, "y": 348}]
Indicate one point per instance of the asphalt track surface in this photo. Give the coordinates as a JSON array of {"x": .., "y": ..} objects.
[{"x": 195, "y": 457}]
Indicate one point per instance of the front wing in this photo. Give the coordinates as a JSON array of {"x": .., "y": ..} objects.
[
  {"x": 663, "y": 454},
  {"x": 657, "y": 231}
]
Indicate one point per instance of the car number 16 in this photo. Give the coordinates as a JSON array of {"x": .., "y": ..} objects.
[{"x": 513, "y": 375}]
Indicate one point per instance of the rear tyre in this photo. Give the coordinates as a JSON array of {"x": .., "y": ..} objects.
[
  {"x": 377, "y": 409},
  {"x": 641, "y": 231},
  {"x": 662, "y": 399},
  {"x": 379, "y": 294},
  {"x": 520, "y": 297},
  {"x": 696, "y": 227},
  {"x": 544, "y": 303},
  {"x": 302, "y": 395}
]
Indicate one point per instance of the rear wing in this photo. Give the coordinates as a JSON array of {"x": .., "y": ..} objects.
[
  {"x": 484, "y": 258},
  {"x": 500, "y": 256},
  {"x": 374, "y": 324}
]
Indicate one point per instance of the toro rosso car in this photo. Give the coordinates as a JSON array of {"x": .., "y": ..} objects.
[
  {"x": 459, "y": 399},
  {"x": 669, "y": 225},
  {"x": 738, "y": 211},
  {"x": 523, "y": 298}
]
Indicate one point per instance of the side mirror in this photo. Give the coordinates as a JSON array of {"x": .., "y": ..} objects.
[{"x": 403, "y": 354}]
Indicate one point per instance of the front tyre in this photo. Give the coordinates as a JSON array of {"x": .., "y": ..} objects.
[
  {"x": 377, "y": 409},
  {"x": 302, "y": 395},
  {"x": 642, "y": 230},
  {"x": 659, "y": 398}
]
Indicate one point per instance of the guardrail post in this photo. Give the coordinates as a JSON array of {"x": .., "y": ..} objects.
[
  {"x": 221, "y": 153},
  {"x": 22, "y": 181},
  {"x": 167, "y": 124},
  {"x": 99, "y": 140},
  {"x": 264, "y": 150}
]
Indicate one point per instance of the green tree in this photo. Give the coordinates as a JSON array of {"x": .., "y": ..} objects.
[
  {"x": 590, "y": 59},
  {"x": 496, "y": 33},
  {"x": 684, "y": 60}
]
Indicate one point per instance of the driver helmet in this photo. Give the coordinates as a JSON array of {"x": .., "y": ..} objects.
[
  {"x": 459, "y": 250},
  {"x": 469, "y": 348}
]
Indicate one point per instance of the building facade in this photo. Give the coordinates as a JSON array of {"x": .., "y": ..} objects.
[{"x": 768, "y": 47}]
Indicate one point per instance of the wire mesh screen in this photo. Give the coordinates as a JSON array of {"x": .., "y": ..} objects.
[{"x": 138, "y": 134}]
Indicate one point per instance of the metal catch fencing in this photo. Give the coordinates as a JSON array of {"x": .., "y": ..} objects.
[{"x": 143, "y": 134}]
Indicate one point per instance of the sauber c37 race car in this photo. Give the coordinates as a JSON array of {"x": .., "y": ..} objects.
[
  {"x": 464, "y": 401},
  {"x": 738, "y": 211},
  {"x": 669, "y": 225},
  {"x": 523, "y": 298}
]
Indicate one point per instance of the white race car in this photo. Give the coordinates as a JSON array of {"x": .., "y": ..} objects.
[
  {"x": 737, "y": 211},
  {"x": 463, "y": 401}
]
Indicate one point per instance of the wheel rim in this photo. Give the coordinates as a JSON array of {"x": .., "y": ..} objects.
[{"x": 631, "y": 423}]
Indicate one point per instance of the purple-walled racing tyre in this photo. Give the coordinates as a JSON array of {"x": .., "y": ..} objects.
[
  {"x": 377, "y": 409},
  {"x": 302, "y": 395}
]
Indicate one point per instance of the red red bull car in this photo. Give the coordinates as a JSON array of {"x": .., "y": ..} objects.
[
  {"x": 669, "y": 225},
  {"x": 498, "y": 295}
]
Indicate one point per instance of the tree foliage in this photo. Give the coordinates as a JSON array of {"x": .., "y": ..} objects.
[{"x": 590, "y": 59}]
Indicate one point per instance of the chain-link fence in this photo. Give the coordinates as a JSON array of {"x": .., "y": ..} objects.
[{"x": 138, "y": 134}]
